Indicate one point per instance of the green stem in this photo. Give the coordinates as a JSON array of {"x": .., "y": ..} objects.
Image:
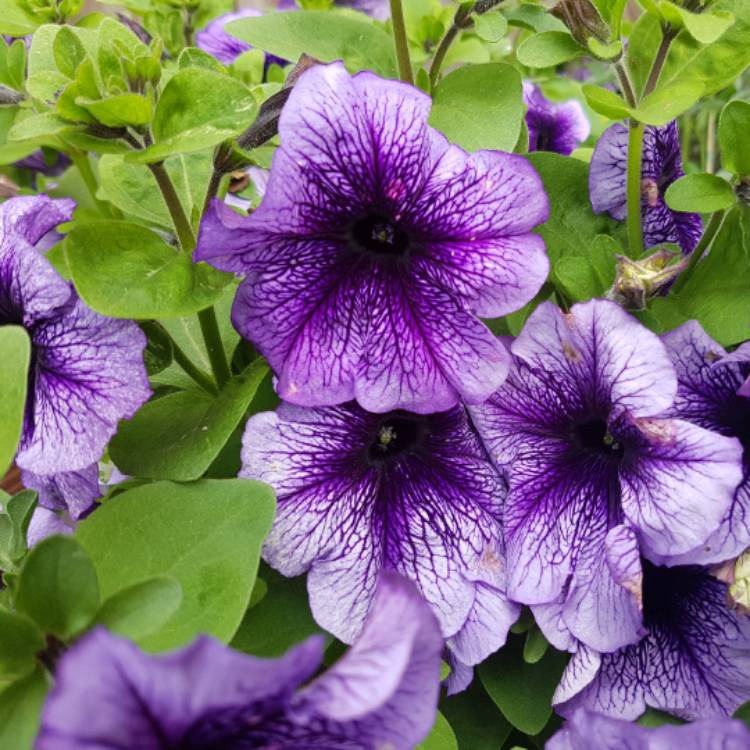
[
  {"x": 635, "y": 151},
  {"x": 214, "y": 346},
  {"x": 627, "y": 87},
  {"x": 200, "y": 377},
  {"x": 182, "y": 225},
  {"x": 402, "y": 45},
  {"x": 714, "y": 224},
  {"x": 668, "y": 36},
  {"x": 440, "y": 53},
  {"x": 83, "y": 165}
]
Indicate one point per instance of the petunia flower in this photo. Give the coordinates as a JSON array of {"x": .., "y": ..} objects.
[
  {"x": 586, "y": 730},
  {"x": 360, "y": 493},
  {"x": 376, "y": 246},
  {"x": 86, "y": 370},
  {"x": 694, "y": 660},
  {"x": 71, "y": 491},
  {"x": 381, "y": 694},
  {"x": 661, "y": 165},
  {"x": 37, "y": 162},
  {"x": 710, "y": 395},
  {"x": 596, "y": 474},
  {"x": 218, "y": 42},
  {"x": 553, "y": 127}
]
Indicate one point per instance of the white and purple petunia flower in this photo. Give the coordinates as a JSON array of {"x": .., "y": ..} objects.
[
  {"x": 359, "y": 493},
  {"x": 382, "y": 694},
  {"x": 376, "y": 246},
  {"x": 86, "y": 372},
  {"x": 587, "y": 730},
  {"x": 693, "y": 661},
  {"x": 660, "y": 167},
  {"x": 554, "y": 127},
  {"x": 597, "y": 474},
  {"x": 710, "y": 394}
]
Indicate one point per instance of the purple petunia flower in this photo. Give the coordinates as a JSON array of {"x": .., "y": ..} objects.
[
  {"x": 710, "y": 395},
  {"x": 72, "y": 491},
  {"x": 219, "y": 43},
  {"x": 660, "y": 167},
  {"x": 553, "y": 127},
  {"x": 46, "y": 523},
  {"x": 382, "y": 694},
  {"x": 596, "y": 473},
  {"x": 37, "y": 162},
  {"x": 87, "y": 371},
  {"x": 586, "y": 730},
  {"x": 694, "y": 660},
  {"x": 375, "y": 247},
  {"x": 359, "y": 493}
]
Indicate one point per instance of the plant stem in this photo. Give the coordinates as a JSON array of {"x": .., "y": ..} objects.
[
  {"x": 627, "y": 87},
  {"x": 213, "y": 188},
  {"x": 635, "y": 151},
  {"x": 402, "y": 44},
  {"x": 668, "y": 36},
  {"x": 443, "y": 47},
  {"x": 83, "y": 165},
  {"x": 182, "y": 225},
  {"x": 214, "y": 346},
  {"x": 714, "y": 224},
  {"x": 200, "y": 377}
]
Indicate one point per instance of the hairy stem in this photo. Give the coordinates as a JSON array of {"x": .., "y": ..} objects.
[
  {"x": 657, "y": 66},
  {"x": 402, "y": 45},
  {"x": 182, "y": 225},
  {"x": 624, "y": 80},
  {"x": 214, "y": 346},
  {"x": 635, "y": 151},
  {"x": 714, "y": 224},
  {"x": 442, "y": 50}
]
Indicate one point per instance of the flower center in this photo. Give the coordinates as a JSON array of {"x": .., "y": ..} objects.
[
  {"x": 396, "y": 434},
  {"x": 667, "y": 591},
  {"x": 594, "y": 437},
  {"x": 379, "y": 235}
]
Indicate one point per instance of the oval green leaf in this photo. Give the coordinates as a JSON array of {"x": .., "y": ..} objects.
[
  {"x": 207, "y": 535},
  {"x": 441, "y": 737},
  {"x": 127, "y": 271},
  {"x": 15, "y": 353},
  {"x": 734, "y": 137},
  {"x": 548, "y": 49},
  {"x": 700, "y": 192}
]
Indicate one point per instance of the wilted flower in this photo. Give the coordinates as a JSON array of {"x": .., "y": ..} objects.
[
  {"x": 553, "y": 127},
  {"x": 381, "y": 694},
  {"x": 359, "y": 493},
  {"x": 586, "y": 730},
  {"x": 708, "y": 395},
  {"x": 596, "y": 473},
  {"x": 660, "y": 167},
  {"x": 694, "y": 660},
  {"x": 86, "y": 370},
  {"x": 637, "y": 281},
  {"x": 375, "y": 248}
]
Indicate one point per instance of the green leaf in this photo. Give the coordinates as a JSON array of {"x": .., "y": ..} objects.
[
  {"x": 141, "y": 609},
  {"x": 703, "y": 27},
  {"x": 119, "y": 111},
  {"x": 324, "y": 35},
  {"x": 42, "y": 127},
  {"x": 743, "y": 713},
  {"x": 159, "y": 352},
  {"x": 279, "y": 621},
  {"x": 605, "y": 102},
  {"x": 491, "y": 26},
  {"x": 604, "y": 51},
  {"x": 127, "y": 271},
  {"x": 522, "y": 691},
  {"x": 655, "y": 718},
  {"x": 668, "y": 101},
  {"x": 475, "y": 719},
  {"x": 133, "y": 189},
  {"x": 198, "y": 109},
  {"x": 535, "y": 647},
  {"x": 700, "y": 192},
  {"x": 207, "y": 535},
  {"x": 192, "y": 57},
  {"x": 179, "y": 435},
  {"x": 15, "y": 20},
  {"x": 15, "y": 353},
  {"x": 587, "y": 276},
  {"x": 533, "y": 18},
  {"x": 548, "y": 49},
  {"x": 734, "y": 137},
  {"x": 441, "y": 737},
  {"x": 14, "y": 523},
  {"x": 68, "y": 51},
  {"x": 58, "y": 587},
  {"x": 20, "y": 640},
  {"x": 20, "y": 706},
  {"x": 469, "y": 103}
]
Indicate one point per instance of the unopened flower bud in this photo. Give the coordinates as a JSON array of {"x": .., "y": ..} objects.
[
  {"x": 582, "y": 19},
  {"x": 639, "y": 280}
]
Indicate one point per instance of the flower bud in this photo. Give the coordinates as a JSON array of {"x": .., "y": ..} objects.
[
  {"x": 639, "y": 280},
  {"x": 582, "y": 19}
]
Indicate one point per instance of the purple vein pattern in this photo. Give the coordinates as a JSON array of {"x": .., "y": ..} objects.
[
  {"x": 359, "y": 493},
  {"x": 376, "y": 246},
  {"x": 596, "y": 474},
  {"x": 382, "y": 693},
  {"x": 660, "y": 167},
  {"x": 586, "y": 730},
  {"x": 694, "y": 660},
  {"x": 553, "y": 127},
  {"x": 86, "y": 371}
]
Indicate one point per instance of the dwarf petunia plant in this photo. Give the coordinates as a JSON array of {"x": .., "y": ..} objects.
[{"x": 374, "y": 374}]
